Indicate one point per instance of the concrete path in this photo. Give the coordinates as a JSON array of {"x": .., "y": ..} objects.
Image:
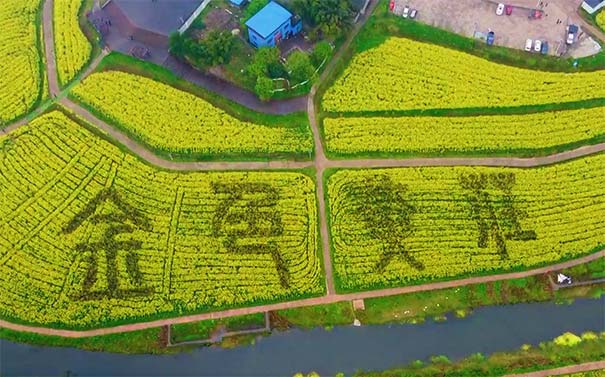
[
  {"x": 595, "y": 365},
  {"x": 49, "y": 47},
  {"x": 328, "y": 299}
]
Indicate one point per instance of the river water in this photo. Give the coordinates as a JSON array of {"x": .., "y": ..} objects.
[{"x": 343, "y": 349}]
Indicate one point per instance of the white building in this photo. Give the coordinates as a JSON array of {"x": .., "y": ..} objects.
[{"x": 591, "y": 6}]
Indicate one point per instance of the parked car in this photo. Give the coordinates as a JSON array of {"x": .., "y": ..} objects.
[
  {"x": 490, "y": 38},
  {"x": 538, "y": 45},
  {"x": 500, "y": 9},
  {"x": 392, "y": 5},
  {"x": 508, "y": 10},
  {"x": 413, "y": 13},
  {"x": 528, "y": 44},
  {"x": 544, "y": 49},
  {"x": 572, "y": 30},
  {"x": 406, "y": 12}
]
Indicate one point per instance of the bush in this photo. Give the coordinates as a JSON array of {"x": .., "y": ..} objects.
[
  {"x": 567, "y": 339},
  {"x": 264, "y": 88},
  {"x": 300, "y": 67},
  {"x": 321, "y": 52},
  {"x": 262, "y": 60}
]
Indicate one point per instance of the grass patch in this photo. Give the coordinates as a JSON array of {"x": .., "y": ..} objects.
[
  {"x": 339, "y": 313},
  {"x": 143, "y": 341}
]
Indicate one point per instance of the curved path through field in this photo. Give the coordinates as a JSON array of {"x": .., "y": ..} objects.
[{"x": 320, "y": 163}]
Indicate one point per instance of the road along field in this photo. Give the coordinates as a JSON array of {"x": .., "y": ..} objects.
[
  {"x": 72, "y": 48},
  {"x": 174, "y": 121},
  {"x": 401, "y": 74},
  {"x": 493, "y": 134},
  {"x": 394, "y": 227},
  {"x": 21, "y": 69},
  {"x": 91, "y": 236}
]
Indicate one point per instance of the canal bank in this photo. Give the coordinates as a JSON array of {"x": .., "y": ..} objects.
[{"x": 342, "y": 349}]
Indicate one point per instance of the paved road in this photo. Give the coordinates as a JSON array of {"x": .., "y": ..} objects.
[
  {"x": 298, "y": 303},
  {"x": 595, "y": 365}
]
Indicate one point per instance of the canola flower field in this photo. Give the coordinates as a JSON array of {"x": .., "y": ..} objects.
[
  {"x": 72, "y": 48},
  {"x": 476, "y": 134},
  {"x": 89, "y": 235},
  {"x": 175, "y": 121},
  {"x": 20, "y": 57},
  {"x": 401, "y": 74},
  {"x": 393, "y": 227}
]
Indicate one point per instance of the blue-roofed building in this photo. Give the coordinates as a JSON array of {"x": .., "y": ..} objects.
[{"x": 272, "y": 24}]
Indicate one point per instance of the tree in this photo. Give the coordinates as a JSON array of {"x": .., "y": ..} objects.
[
  {"x": 330, "y": 16},
  {"x": 320, "y": 53},
  {"x": 264, "y": 87},
  {"x": 218, "y": 47},
  {"x": 300, "y": 67},
  {"x": 262, "y": 59},
  {"x": 178, "y": 44}
]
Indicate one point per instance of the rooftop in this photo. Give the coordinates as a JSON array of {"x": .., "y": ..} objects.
[
  {"x": 594, "y": 3},
  {"x": 268, "y": 19},
  {"x": 160, "y": 16}
]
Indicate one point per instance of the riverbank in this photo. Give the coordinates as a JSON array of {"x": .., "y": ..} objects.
[
  {"x": 344, "y": 349},
  {"x": 413, "y": 308}
]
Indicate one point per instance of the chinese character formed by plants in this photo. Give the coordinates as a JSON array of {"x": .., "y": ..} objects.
[
  {"x": 247, "y": 218},
  {"x": 496, "y": 215},
  {"x": 112, "y": 242},
  {"x": 383, "y": 206}
]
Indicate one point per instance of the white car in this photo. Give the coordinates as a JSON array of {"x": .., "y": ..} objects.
[
  {"x": 406, "y": 12},
  {"x": 528, "y": 44},
  {"x": 500, "y": 9},
  {"x": 537, "y": 45}
]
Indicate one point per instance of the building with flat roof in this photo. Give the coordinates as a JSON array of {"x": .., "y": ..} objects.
[
  {"x": 272, "y": 24},
  {"x": 591, "y": 6},
  {"x": 161, "y": 16}
]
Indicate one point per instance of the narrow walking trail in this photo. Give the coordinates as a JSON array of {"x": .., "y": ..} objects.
[
  {"x": 49, "y": 47},
  {"x": 570, "y": 369},
  {"x": 328, "y": 299},
  {"x": 320, "y": 163}
]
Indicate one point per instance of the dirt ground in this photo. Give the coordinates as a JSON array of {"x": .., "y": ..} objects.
[{"x": 469, "y": 16}]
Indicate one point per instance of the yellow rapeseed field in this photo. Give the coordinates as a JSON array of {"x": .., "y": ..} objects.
[
  {"x": 72, "y": 48},
  {"x": 20, "y": 76},
  {"x": 90, "y": 235},
  {"x": 427, "y": 134},
  {"x": 172, "y": 120},
  {"x": 400, "y": 226},
  {"x": 402, "y": 74}
]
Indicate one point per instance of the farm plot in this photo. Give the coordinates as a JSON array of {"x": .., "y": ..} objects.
[
  {"x": 479, "y": 134},
  {"x": 402, "y": 74},
  {"x": 402, "y": 226},
  {"x": 72, "y": 48},
  {"x": 91, "y": 236},
  {"x": 20, "y": 58},
  {"x": 174, "y": 121}
]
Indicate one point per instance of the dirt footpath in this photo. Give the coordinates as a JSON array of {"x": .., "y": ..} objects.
[{"x": 467, "y": 17}]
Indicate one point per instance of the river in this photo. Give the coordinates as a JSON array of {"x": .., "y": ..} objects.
[{"x": 342, "y": 349}]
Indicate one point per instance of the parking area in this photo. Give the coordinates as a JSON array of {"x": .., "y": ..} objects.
[{"x": 478, "y": 17}]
